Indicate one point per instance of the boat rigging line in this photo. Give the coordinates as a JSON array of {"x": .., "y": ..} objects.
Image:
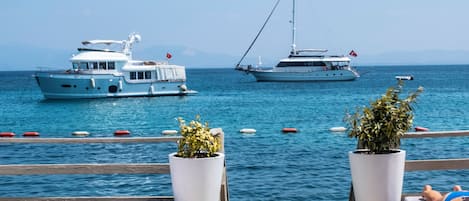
[{"x": 259, "y": 33}]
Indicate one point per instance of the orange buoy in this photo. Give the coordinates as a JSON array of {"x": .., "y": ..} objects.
[
  {"x": 418, "y": 128},
  {"x": 289, "y": 130},
  {"x": 121, "y": 132},
  {"x": 31, "y": 134},
  {"x": 7, "y": 134}
]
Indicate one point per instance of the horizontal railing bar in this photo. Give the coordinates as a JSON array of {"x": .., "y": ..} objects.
[
  {"x": 135, "y": 168},
  {"x": 126, "y": 168},
  {"x": 120, "y": 198},
  {"x": 91, "y": 140},
  {"x": 437, "y": 164},
  {"x": 436, "y": 134}
]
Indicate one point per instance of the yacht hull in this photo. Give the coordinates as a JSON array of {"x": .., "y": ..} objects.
[
  {"x": 271, "y": 76},
  {"x": 80, "y": 86}
]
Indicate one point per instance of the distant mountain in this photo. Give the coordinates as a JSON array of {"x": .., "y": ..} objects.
[
  {"x": 30, "y": 58},
  {"x": 436, "y": 57},
  {"x": 22, "y": 57}
]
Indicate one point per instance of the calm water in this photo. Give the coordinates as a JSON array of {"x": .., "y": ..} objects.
[{"x": 269, "y": 165}]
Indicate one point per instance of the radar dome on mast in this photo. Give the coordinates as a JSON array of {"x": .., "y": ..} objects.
[{"x": 133, "y": 37}]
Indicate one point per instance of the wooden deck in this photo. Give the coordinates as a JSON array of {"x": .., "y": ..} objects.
[
  {"x": 132, "y": 168},
  {"x": 429, "y": 165}
]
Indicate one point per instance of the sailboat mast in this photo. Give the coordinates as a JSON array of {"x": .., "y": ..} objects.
[{"x": 293, "y": 45}]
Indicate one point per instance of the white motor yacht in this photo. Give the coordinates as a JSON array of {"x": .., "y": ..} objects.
[
  {"x": 101, "y": 72},
  {"x": 304, "y": 64}
]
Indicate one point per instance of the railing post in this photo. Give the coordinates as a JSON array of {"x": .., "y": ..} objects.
[
  {"x": 219, "y": 131},
  {"x": 351, "y": 195},
  {"x": 224, "y": 194}
]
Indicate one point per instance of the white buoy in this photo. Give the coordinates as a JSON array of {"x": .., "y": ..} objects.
[
  {"x": 169, "y": 132},
  {"x": 338, "y": 129},
  {"x": 81, "y": 133},
  {"x": 247, "y": 130}
]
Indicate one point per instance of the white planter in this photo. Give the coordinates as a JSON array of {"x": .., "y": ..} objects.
[
  {"x": 377, "y": 176},
  {"x": 196, "y": 179}
]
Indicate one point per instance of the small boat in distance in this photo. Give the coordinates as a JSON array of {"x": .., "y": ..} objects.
[
  {"x": 404, "y": 77},
  {"x": 101, "y": 73},
  {"x": 303, "y": 64}
]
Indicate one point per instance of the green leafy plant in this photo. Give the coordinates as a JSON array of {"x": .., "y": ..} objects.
[
  {"x": 197, "y": 141},
  {"x": 380, "y": 126}
]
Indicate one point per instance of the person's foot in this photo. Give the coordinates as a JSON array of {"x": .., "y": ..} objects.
[{"x": 457, "y": 188}]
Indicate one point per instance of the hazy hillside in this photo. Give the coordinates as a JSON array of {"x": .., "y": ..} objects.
[{"x": 30, "y": 58}]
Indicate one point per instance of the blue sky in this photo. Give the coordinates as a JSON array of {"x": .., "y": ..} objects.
[{"x": 227, "y": 27}]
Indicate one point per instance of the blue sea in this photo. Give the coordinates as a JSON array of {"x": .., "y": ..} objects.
[{"x": 268, "y": 165}]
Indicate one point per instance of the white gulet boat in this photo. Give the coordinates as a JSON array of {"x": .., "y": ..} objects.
[
  {"x": 100, "y": 73},
  {"x": 303, "y": 64}
]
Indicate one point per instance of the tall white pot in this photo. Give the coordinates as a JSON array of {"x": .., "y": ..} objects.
[
  {"x": 196, "y": 179},
  {"x": 377, "y": 176}
]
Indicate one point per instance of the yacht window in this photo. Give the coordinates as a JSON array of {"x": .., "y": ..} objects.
[
  {"x": 83, "y": 65},
  {"x": 111, "y": 65},
  {"x": 140, "y": 75},
  {"x": 282, "y": 64},
  {"x": 102, "y": 65},
  {"x": 319, "y": 63},
  {"x": 94, "y": 65},
  {"x": 75, "y": 66},
  {"x": 301, "y": 63},
  {"x": 343, "y": 63},
  {"x": 133, "y": 75},
  {"x": 148, "y": 75}
]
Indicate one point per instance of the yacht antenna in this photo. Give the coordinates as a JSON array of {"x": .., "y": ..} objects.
[
  {"x": 127, "y": 49},
  {"x": 293, "y": 45},
  {"x": 259, "y": 33}
]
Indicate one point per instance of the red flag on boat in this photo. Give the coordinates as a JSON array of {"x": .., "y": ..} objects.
[
  {"x": 168, "y": 55},
  {"x": 353, "y": 53}
]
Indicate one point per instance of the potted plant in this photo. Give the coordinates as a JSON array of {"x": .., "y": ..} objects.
[
  {"x": 377, "y": 166},
  {"x": 197, "y": 167}
]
